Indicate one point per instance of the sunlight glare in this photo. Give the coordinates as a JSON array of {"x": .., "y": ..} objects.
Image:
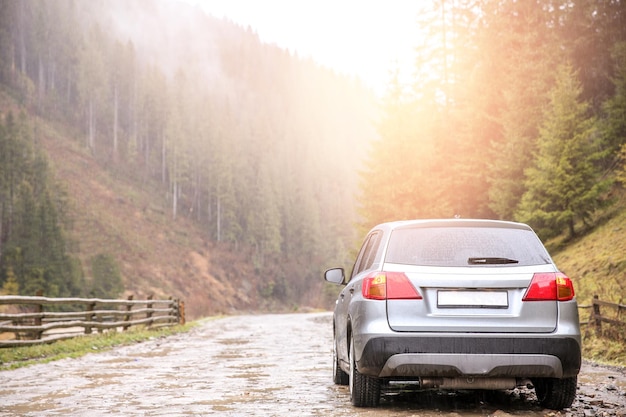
[{"x": 367, "y": 39}]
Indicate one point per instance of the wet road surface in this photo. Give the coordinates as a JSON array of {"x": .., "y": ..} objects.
[{"x": 263, "y": 365}]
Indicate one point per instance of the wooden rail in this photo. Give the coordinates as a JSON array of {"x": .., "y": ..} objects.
[
  {"x": 598, "y": 315},
  {"x": 29, "y": 323}
]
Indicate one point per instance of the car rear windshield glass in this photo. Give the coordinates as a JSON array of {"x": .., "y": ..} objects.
[{"x": 465, "y": 246}]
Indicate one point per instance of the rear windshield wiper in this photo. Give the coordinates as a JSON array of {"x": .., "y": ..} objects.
[{"x": 491, "y": 261}]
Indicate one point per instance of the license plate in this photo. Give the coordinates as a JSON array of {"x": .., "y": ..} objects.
[{"x": 477, "y": 299}]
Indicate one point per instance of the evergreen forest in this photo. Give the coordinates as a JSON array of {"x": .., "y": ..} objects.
[{"x": 516, "y": 110}]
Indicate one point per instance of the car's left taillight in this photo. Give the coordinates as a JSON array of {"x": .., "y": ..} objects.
[
  {"x": 549, "y": 286},
  {"x": 389, "y": 286}
]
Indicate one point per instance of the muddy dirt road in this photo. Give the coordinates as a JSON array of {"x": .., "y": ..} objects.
[{"x": 266, "y": 365}]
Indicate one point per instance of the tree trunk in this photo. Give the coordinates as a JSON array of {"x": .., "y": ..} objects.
[
  {"x": 163, "y": 162},
  {"x": 41, "y": 85},
  {"x": 174, "y": 198},
  {"x": 91, "y": 141},
  {"x": 219, "y": 219},
  {"x": 115, "y": 123},
  {"x": 21, "y": 38}
]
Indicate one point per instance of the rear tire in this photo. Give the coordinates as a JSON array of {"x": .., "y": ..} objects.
[
  {"x": 364, "y": 390},
  {"x": 339, "y": 376},
  {"x": 556, "y": 394}
]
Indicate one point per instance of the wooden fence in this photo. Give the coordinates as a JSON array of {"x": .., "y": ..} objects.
[
  {"x": 26, "y": 321},
  {"x": 600, "y": 312}
]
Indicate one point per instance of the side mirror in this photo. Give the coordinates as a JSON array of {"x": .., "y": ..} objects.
[{"x": 335, "y": 276}]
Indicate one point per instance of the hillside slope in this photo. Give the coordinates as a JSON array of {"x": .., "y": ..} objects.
[
  {"x": 171, "y": 257},
  {"x": 156, "y": 254},
  {"x": 596, "y": 262}
]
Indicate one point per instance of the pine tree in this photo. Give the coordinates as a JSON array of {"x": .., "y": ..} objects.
[
  {"x": 10, "y": 286},
  {"x": 564, "y": 186},
  {"x": 107, "y": 280},
  {"x": 402, "y": 176},
  {"x": 32, "y": 238},
  {"x": 614, "y": 122},
  {"x": 518, "y": 50},
  {"x": 615, "y": 108}
]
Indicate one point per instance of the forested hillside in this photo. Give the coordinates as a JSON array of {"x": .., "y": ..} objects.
[
  {"x": 249, "y": 142},
  {"x": 517, "y": 111}
]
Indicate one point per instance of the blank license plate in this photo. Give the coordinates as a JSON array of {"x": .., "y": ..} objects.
[{"x": 485, "y": 299}]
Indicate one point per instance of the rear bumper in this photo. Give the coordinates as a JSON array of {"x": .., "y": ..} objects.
[{"x": 440, "y": 356}]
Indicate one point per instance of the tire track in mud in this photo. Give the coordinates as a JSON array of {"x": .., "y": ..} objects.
[{"x": 256, "y": 365}]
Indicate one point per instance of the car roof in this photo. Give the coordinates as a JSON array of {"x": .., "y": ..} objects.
[{"x": 401, "y": 224}]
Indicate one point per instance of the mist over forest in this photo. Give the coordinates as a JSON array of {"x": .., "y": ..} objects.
[
  {"x": 252, "y": 143},
  {"x": 516, "y": 111}
]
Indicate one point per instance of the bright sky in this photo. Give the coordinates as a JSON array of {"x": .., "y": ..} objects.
[{"x": 365, "y": 38}]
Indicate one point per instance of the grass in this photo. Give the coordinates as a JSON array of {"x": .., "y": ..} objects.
[
  {"x": 596, "y": 263},
  {"x": 13, "y": 358},
  {"x": 604, "y": 350}
]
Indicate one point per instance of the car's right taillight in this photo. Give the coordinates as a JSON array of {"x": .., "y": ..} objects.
[
  {"x": 389, "y": 286},
  {"x": 549, "y": 286}
]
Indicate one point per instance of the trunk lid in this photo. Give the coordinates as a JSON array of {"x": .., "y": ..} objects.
[{"x": 484, "y": 299}]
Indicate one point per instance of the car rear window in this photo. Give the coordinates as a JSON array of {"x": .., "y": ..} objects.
[{"x": 465, "y": 246}]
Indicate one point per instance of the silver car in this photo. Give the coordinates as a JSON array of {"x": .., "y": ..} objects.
[{"x": 454, "y": 305}]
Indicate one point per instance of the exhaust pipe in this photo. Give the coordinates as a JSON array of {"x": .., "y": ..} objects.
[{"x": 469, "y": 383}]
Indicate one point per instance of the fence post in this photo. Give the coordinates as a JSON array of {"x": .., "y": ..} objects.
[
  {"x": 172, "y": 316},
  {"x": 149, "y": 307},
  {"x": 181, "y": 312},
  {"x": 597, "y": 316},
  {"x": 99, "y": 318},
  {"x": 89, "y": 317},
  {"x": 128, "y": 315},
  {"x": 38, "y": 320}
]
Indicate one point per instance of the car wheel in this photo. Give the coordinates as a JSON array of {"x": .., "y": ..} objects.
[
  {"x": 339, "y": 376},
  {"x": 364, "y": 390},
  {"x": 556, "y": 394}
]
